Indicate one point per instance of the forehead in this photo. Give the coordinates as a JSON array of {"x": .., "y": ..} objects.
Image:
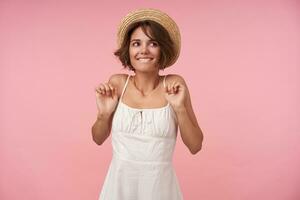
[{"x": 138, "y": 33}]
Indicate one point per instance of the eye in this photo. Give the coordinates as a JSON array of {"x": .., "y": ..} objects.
[
  {"x": 155, "y": 44},
  {"x": 135, "y": 43}
]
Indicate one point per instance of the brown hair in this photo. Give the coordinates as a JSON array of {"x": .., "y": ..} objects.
[{"x": 157, "y": 33}]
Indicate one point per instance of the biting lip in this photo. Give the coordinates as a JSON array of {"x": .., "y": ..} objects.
[{"x": 145, "y": 58}]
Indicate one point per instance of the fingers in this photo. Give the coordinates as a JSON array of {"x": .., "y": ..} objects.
[
  {"x": 172, "y": 88},
  {"x": 112, "y": 89},
  {"x": 100, "y": 89},
  {"x": 105, "y": 89}
]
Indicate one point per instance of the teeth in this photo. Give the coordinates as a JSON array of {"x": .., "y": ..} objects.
[{"x": 144, "y": 59}]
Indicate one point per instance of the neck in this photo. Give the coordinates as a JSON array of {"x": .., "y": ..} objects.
[{"x": 145, "y": 82}]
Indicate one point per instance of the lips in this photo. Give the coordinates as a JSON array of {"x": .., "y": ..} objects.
[{"x": 144, "y": 59}]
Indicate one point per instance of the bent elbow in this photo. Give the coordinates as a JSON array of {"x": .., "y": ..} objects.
[
  {"x": 97, "y": 142},
  {"x": 195, "y": 150},
  {"x": 198, "y": 146}
]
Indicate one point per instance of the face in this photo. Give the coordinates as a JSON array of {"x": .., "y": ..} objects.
[{"x": 144, "y": 53}]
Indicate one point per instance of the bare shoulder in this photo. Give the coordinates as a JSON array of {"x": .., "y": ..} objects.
[
  {"x": 175, "y": 78},
  {"x": 118, "y": 81}
]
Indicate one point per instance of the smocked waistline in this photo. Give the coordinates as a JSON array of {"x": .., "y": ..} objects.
[
  {"x": 116, "y": 156},
  {"x": 135, "y": 135}
]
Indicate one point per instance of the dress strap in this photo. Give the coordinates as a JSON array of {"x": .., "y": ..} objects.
[
  {"x": 125, "y": 86},
  {"x": 165, "y": 80}
]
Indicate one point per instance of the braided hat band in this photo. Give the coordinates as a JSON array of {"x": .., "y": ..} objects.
[{"x": 154, "y": 15}]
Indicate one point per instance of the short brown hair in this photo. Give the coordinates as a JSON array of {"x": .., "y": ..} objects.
[{"x": 157, "y": 33}]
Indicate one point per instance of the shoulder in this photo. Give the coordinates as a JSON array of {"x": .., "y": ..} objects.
[
  {"x": 118, "y": 81},
  {"x": 175, "y": 78}
]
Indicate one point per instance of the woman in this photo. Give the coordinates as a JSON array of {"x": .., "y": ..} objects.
[{"x": 143, "y": 112}]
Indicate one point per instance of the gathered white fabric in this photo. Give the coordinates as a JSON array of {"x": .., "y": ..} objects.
[{"x": 143, "y": 142}]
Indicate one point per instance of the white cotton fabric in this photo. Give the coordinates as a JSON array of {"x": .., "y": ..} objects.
[{"x": 143, "y": 142}]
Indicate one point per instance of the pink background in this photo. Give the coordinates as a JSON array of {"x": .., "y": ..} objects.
[{"x": 241, "y": 63}]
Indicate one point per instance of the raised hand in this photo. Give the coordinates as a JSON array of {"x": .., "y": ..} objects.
[
  {"x": 106, "y": 98},
  {"x": 176, "y": 94}
]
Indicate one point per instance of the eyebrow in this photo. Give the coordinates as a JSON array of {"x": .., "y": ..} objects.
[{"x": 140, "y": 40}]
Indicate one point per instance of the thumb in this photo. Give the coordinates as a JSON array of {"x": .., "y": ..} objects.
[
  {"x": 114, "y": 93},
  {"x": 166, "y": 88}
]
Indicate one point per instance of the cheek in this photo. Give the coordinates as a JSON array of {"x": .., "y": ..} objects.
[
  {"x": 132, "y": 51},
  {"x": 157, "y": 52}
]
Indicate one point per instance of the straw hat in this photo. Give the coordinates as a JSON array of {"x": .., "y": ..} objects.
[{"x": 155, "y": 15}]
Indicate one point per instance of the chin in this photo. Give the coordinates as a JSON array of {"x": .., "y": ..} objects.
[{"x": 144, "y": 66}]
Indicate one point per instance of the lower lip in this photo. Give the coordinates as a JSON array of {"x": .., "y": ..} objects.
[{"x": 145, "y": 61}]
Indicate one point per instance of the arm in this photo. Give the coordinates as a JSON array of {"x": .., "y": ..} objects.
[
  {"x": 102, "y": 126},
  {"x": 191, "y": 133}
]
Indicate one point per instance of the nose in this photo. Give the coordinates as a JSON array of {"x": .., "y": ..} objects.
[{"x": 144, "y": 49}]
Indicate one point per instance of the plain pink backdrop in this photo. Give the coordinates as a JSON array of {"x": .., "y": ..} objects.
[{"x": 240, "y": 60}]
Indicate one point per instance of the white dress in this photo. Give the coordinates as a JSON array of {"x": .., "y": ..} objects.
[{"x": 143, "y": 142}]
